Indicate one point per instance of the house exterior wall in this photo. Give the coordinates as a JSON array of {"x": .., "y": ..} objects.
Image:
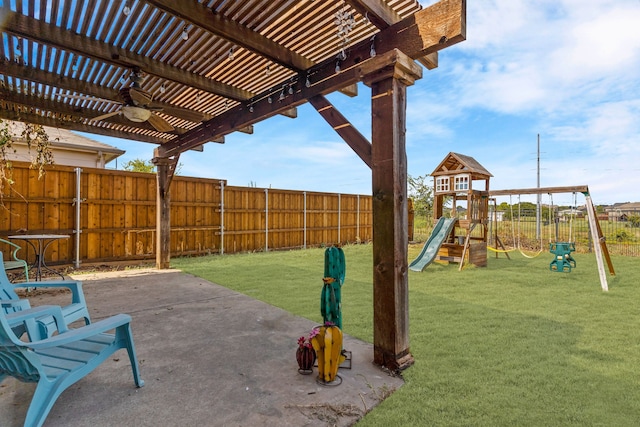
[
  {"x": 62, "y": 157},
  {"x": 68, "y": 148},
  {"x": 623, "y": 211}
]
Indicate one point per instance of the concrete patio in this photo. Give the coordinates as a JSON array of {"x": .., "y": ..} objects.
[{"x": 209, "y": 357}]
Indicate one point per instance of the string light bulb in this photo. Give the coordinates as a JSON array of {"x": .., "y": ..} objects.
[
  {"x": 163, "y": 88},
  {"x": 126, "y": 10},
  {"x": 267, "y": 71},
  {"x": 231, "y": 55},
  {"x": 337, "y": 67},
  {"x": 307, "y": 82},
  {"x": 281, "y": 97},
  {"x": 18, "y": 52},
  {"x": 372, "y": 51},
  {"x": 270, "y": 100},
  {"x": 185, "y": 34}
]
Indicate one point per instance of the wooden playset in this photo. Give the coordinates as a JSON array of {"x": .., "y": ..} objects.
[{"x": 465, "y": 182}]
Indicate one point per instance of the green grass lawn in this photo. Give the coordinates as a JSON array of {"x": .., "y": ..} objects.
[{"x": 510, "y": 344}]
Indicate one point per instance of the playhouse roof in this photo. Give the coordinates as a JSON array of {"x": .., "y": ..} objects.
[{"x": 455, "y": 163}]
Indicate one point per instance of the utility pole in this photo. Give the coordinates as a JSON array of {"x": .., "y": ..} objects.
[{"x": 539, "y": 196}]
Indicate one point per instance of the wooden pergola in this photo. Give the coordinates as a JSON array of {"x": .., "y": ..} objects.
[{"x": 183, "y": 73}]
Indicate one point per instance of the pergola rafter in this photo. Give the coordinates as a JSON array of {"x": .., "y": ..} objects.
[
  {"x": 54, "y": 36},
  {"x": 200, "y": 15}
]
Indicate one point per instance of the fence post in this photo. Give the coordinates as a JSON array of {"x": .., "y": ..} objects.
[
  {"x": 77, "y": 230},
  {"x": 221, "y": 217},
  {"x": 339, "y": 214},
  {"x": 266, "y": 220},
  {"x": 304, "y": 220},
  {"x": 358, "y": 220}
]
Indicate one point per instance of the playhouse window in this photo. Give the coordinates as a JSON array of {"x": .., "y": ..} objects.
[
  {"x": 442, "y": 184},
  {"x": 461, "y": 183}
]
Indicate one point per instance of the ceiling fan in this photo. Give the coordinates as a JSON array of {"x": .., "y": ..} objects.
[{"x": 136, "y": 106}]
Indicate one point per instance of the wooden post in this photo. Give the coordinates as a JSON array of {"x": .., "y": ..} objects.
[
  {"x": 597, "y": 241},
  {"x": 165, "y": 167},
  {"x": 390, "y": 242}
]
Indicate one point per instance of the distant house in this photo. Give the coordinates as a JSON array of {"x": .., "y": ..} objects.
[
  {"x": 499, "y": 215},
  {"x": 68, "y": 148},
  {"x": 568, "y": 214},
  {"x": 621, "y": 211}
]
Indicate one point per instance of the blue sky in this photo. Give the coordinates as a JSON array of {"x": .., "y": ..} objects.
[{"x": 568, "y": 70}]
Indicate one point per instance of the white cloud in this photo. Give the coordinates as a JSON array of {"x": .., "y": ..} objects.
[
  {"x": 520, "y": 56},
  {"x": 605, "y": 128},
  {"x": 325, "y": 152},
  {"x": 605, "y": 41}
]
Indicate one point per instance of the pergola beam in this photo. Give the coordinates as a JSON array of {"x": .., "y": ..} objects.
[
  {"x": 61, "y": 38},
  {"x": 241, "y": 116},
  {"x": 343, "y": 127},
  {"x": 66, "y": 123},
  {"x": 382, "y": 16},
  {"x": 58, "y": 107},
  {"x": 377, "y": 12},
  {"x": 74, "y": 85},
  {"x": 30, "y": 73}
]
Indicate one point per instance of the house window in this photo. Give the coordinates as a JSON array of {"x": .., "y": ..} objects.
[
  {"x": 461, "y": 183},
  {"x": 442, "y": 184}
]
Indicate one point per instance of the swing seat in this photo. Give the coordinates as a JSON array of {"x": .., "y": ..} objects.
[{"x": 563, "y": 261}]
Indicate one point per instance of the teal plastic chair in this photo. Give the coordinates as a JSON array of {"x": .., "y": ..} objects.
[
  {"x": 58, "y": 362},
  {"x": 15, "y": 261},
  {"x": 11, "y": 302}
]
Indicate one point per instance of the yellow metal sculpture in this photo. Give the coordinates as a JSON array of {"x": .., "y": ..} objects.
[{"x": 328, "y": 346}]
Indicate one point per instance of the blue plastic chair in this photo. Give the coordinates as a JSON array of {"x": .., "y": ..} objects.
[
  {"x": 58, "y": 362},
  {"x": 15, "y": 261},
  {"x": 11, "y": 302}
]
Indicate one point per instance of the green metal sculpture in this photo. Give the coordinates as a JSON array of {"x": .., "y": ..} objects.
[
  {"x": 334, "y": 273},
  {"x": 328, "y": 341}
]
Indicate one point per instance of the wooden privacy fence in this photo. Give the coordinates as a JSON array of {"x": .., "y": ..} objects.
[{"x": 116, "y": 215}]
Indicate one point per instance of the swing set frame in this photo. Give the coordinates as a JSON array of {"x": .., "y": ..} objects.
[
  {"x": 516, "y": 240},
  {"x": 600, "y": 244}
]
